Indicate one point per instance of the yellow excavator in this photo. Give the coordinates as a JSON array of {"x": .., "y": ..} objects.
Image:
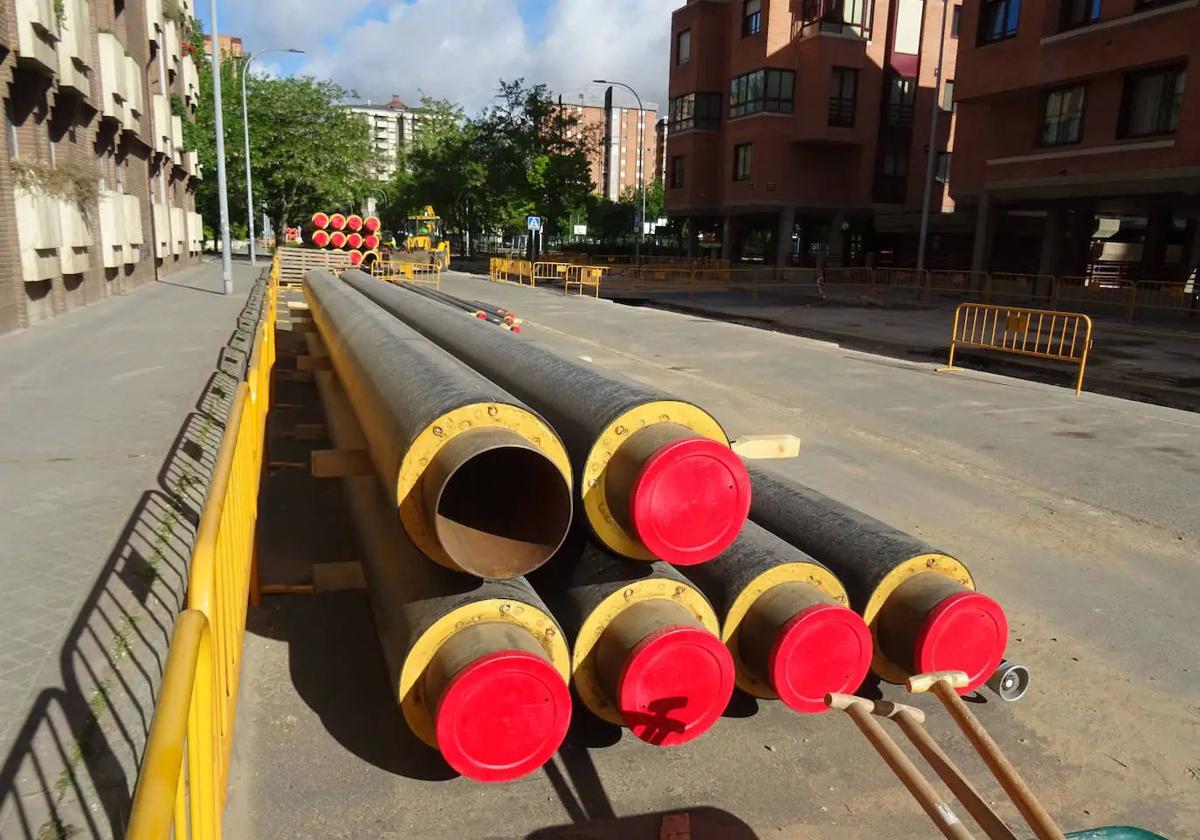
[{"x": 424, "y": 239}]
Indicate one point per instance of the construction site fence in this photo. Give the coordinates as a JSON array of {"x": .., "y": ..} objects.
[
  {"x": 181, "y": 786},
  {"x": 1131, "y": 300},
  {"x": 508, "y": 270},
  {"x": 421, "y": 274},
  {"x": 1040, "y": 333}
]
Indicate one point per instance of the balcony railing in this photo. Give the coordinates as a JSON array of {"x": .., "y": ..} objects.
[
  {"x": 899, "y": 115},
  {"x": 845, "y": 17},
  {"x": 841, "y": 111}
]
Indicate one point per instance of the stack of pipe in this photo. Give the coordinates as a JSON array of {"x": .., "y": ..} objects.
[
  {"x": 479, "y": 665},
  {"x": 659, "y": 483},
  {"x": 476, "y": 309},
  {"x": 357, "y": 235},
  {"x": 684, "y": 584}
]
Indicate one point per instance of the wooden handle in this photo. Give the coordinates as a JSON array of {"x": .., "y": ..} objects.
[{"x": 920, "y": 683}]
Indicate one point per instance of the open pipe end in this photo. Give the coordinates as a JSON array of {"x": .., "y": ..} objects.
[{"x": 500, "y": 507}]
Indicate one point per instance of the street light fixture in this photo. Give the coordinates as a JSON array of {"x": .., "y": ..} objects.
[
  {"x": 246, "y": 131},
  {"x": 641, "y": 158}
]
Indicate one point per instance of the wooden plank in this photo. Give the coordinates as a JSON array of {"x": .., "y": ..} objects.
[
  {"x": 338, "y": 577},
  {"x": 340, "y": 463},
  {"x": 313, "y": 363},
  {"x": 760, "y": 447}
]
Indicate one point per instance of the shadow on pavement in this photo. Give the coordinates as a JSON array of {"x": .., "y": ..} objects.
[
  {"x": 700, "y": 823},
  {"x": 71, "y": 766}
]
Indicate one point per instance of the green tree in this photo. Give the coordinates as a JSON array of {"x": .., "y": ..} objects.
[
  {"x": 307, "y": 151},
  {"x": 655, "y": 199}
]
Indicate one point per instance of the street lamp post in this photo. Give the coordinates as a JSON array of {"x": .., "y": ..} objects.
[
  {"x": 931, "y": 154},
  {"x": 222, "y": 188},
  {"x": 641, "y": 163},
  {"x": 246, "y": 132}
]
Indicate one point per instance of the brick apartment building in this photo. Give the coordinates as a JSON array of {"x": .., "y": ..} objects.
[
  {"x": 1079, "y": 136},
  {"x": 799, "y": 128},
  {"x": 96, "y": 186},
  {"x": 611, "y": 116}
]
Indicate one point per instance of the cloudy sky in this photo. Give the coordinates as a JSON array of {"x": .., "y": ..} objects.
[{"x": 458, "y": 49}]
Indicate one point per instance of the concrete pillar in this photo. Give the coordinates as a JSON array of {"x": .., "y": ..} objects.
[
  {"x": 691, "y": 245},
  {"x": 1154, "y": 248},
  {"x": 985, "y": 230},
  {"x": 837, "y": 240},
  {"x": 783, "y": 237},
  {"x": 727, "y": 249},
  {"x": 1052, "y": 234}
]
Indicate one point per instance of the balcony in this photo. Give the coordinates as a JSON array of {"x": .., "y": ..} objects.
[
  {"x": 161, "y": 108},
  {"x": 38, "y": 34},
  {"x": 74, "y": 50},
  {"x": 177, "y": 149},
  {"x": 37, "y": 234},
  {"x": 178, "y": 231},
  {"x": 191, "y": 82},
  {"x": 162, "y": 230},
  {"x": 134, "y": 239},
  {"x": 112, "y": 77},
  {"x": 195, "y": 232},
  {"x": 135, "y": 106},
  {"x": 171, "y": 44},
  {"x": 75, "y": 236},
  {"x": 154, "y": 20},
  {"x": 839, "y": 17}
]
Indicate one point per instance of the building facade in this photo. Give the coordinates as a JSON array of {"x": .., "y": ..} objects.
[
  {"x": 1079, "y": 136},
  {"x": 393, "y": 126},
  {"x": 96, "y": 186},
  {"x": 623, "y": 138},
  {"x": 800, "y": 130},
  {"x": 231, "y": 46}
]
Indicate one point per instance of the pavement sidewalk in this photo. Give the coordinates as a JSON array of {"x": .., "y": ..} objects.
[
  {"x": 1131, "y": 362},
  {"x": 110, "y": 418}
]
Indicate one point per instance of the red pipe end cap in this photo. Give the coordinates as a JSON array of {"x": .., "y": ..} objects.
[
  {"x": 503, "y": 716},
  {"x": 516, "y": 328},
  {"x": 824, "y": 649},
  {"x": 966, "y": 632},
  {"x": 354, "y": 240},
  {"x": 370, "y": 242},
  {"x": 354, "y": 222},
  {"x": 371, "y": 223},
  {"x": 320, "y": 239},
  {"x": 320, "y": 219},
  {"x": 337, "y": 220},
  {"x": 356, "y": 257},
  {"x": 675, "y": 684},
  {"x": 690, "y": 500}
]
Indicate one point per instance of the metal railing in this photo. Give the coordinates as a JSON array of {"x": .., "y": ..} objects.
[
  {"x": 427, "y": 274},
  {"x": 507, "y": 270},
  {"x": 1040, "y": 333},
  {"x": 181, "y": 786}
]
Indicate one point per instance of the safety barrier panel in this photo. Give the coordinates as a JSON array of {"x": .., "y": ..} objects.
[
  {"x": 584, "y": 276},
  {"x": 194, "y": 715},
  {"x": 549, "y": 272},
  {"x": 1040, "y": 333},
  {"x": 507, "y": 270},
  {"x": 422, "y": 274}
]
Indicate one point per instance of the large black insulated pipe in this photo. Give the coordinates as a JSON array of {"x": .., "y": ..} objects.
[
  {"x": 920, "y": 603},
  {"x": 482, "y": 484},
  {"x": 785, "y": 619},
  {"x": 656, "y": 475},
  {"x": 479, "y": 667},
  {"x": 645, "y": 647}
]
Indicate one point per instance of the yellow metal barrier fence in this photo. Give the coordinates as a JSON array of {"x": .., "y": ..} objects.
[
  {"x": 1059, "y": 336},
  {"x": 510, "y": 271},
  {"x": 194, "y": 715},
  {"x": 424, "y": 274}
]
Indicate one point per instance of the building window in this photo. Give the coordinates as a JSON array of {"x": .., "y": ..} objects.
[
  {"x": 742, "y": 154},
  {"x": 1062, "y": 116},
  {"x": 1075, "y": 13},
  {"x": 943, "y": 167},
  {"x": 998, "y": 20},
  {"x": 694, "y": 110},
  {"x": 683, "y": 47},
  {"x": 678, "y": 171},
  {"x": 762, "y": 90},
  {"x": 901, "y": 91},
  {"x": 895, "y": 161},
  {"x": 955, "y": 18},
  {"x": 848, "y": 17},
  {"x": 843, "y": 96},
  {"x": 751, "y": 17},
  {"x": 948, "y": 95},
  {"x": 1151, "y": 101}
]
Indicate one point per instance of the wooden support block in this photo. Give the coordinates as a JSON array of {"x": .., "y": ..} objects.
[
  {"x": 340, "y": 463},
  {"x": 308, "y": 431},
  {"x": 293, "y": 375},
  {"x": 338, "y": 577},
  {"x": 759, "y": 447},
  {"x": 293, "y": 305},
  {"x": 303, "y": 325},
  {"x": 311, "y": 363}
]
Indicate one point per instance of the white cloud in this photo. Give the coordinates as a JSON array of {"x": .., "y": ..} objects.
[{"x": 459, "y": 49}]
